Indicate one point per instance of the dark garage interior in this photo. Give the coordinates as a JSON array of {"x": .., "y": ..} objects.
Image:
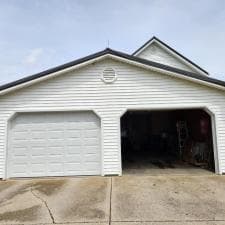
[{"x": 167, "y": 139}]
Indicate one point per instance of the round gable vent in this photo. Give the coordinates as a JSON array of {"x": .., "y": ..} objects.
[{"x": 108, "y": 75}]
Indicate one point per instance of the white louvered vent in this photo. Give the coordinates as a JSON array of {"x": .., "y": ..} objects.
[{"x": 109, "y": 75}]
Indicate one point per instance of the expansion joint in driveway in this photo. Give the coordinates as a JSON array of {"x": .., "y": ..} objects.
[
  {"x": 110, "y": 202},
  {"x": 44, "y": 202}
]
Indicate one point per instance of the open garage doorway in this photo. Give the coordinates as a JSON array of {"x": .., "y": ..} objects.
[{"x": 167, "y": 140}]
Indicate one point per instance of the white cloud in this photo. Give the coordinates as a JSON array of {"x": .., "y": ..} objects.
[{"x": 33, "y": 56}]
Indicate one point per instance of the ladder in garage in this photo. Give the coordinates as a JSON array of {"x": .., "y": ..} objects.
[{"x": 182, "y": 131}]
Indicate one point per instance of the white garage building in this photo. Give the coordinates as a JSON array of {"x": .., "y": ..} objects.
[{"x": 67, "y": 120}]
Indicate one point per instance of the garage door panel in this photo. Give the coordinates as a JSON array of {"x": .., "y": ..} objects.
[
  {"x": 72, "y": 133},
  {"x": 71, "y": 150},
  {"x": 37, "y": 167},
  {"x": 91, "y": 141},
  {"x": 91, "y": 166},
  {"x": 18, "y": 144},
  {"x": 35, "y": 147},
  {"x": 91, "y": 158},
  {"x": 91, "y": 149},
  {"x": 74, "y": 157},
  {"x": 51, "y": 127},
  {"x": 51, "y": 143},
  {"x": 19, "y": 127},
  {"x": 74, "y": 169},
  {"x": 78, "y": 158},
  {"x": 55, "y": 167},
  {"x": 20, "y": 168},
  {"x": 54, "y": 144},
  {"x": 91, "y": 133},
  {"x": 37, "y": 150},
  {"x": 76, "y": 126},
  {"x": 35, "y": 127},
  {"x": 37, "y": 135},
  {"x": 74, "y": 142},
  {"x": 20, "y": 135},
  {"x": 55, "y": 150},
  {"x": 40, "y": 160},
  {"x": 22, "y": 158},
  {"x": 20, "y": 150},
  {"x": 89, "y": 125},
  {"x": 55, "y": 134}
]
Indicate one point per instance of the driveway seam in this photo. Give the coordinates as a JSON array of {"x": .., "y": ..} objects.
[
  {"x": 44, "y": 202},
  {"x": 164, "y": 221},
  {"x": 110, "y": 202},
  {"x": 60, "y": 223}
]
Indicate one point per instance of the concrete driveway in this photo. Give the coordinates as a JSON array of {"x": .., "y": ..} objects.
[{"x": 131, "y": 199}]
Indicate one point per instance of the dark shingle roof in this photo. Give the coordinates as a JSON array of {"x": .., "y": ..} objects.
[{"x": 115, "y": 53}]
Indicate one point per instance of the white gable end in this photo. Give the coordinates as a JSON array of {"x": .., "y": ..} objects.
[
  {"x": 157, "y": 51},
  {"x": 157, "y": 54}
]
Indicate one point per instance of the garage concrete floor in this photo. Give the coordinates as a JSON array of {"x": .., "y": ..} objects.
[
  {"x": 130, "y": 199},
  {"x": 146, "y": 168}
]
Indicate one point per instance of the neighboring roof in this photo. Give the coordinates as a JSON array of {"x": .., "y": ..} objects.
[
  {"x": 109, "y": 51},
  {"x": 171, "y": 49}
]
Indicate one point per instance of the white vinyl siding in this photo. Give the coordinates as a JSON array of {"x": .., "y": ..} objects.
[{"x": 136, "y": 88}]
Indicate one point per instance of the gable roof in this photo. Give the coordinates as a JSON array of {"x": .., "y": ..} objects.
[
  {"x": 121, "y": 55},
  {"x": 150, "y": 41}
]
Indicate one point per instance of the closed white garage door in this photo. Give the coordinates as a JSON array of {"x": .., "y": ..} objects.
[{"x": 54, "y": 144}]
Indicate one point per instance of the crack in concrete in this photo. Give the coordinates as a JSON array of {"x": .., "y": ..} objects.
[{"x": 44, "y": 202}]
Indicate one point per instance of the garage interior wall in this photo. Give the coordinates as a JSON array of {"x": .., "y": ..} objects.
[{"x": 83, "y": 89}]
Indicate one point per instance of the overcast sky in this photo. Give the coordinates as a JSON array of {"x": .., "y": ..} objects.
[{"x": 39, "y": 34}]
